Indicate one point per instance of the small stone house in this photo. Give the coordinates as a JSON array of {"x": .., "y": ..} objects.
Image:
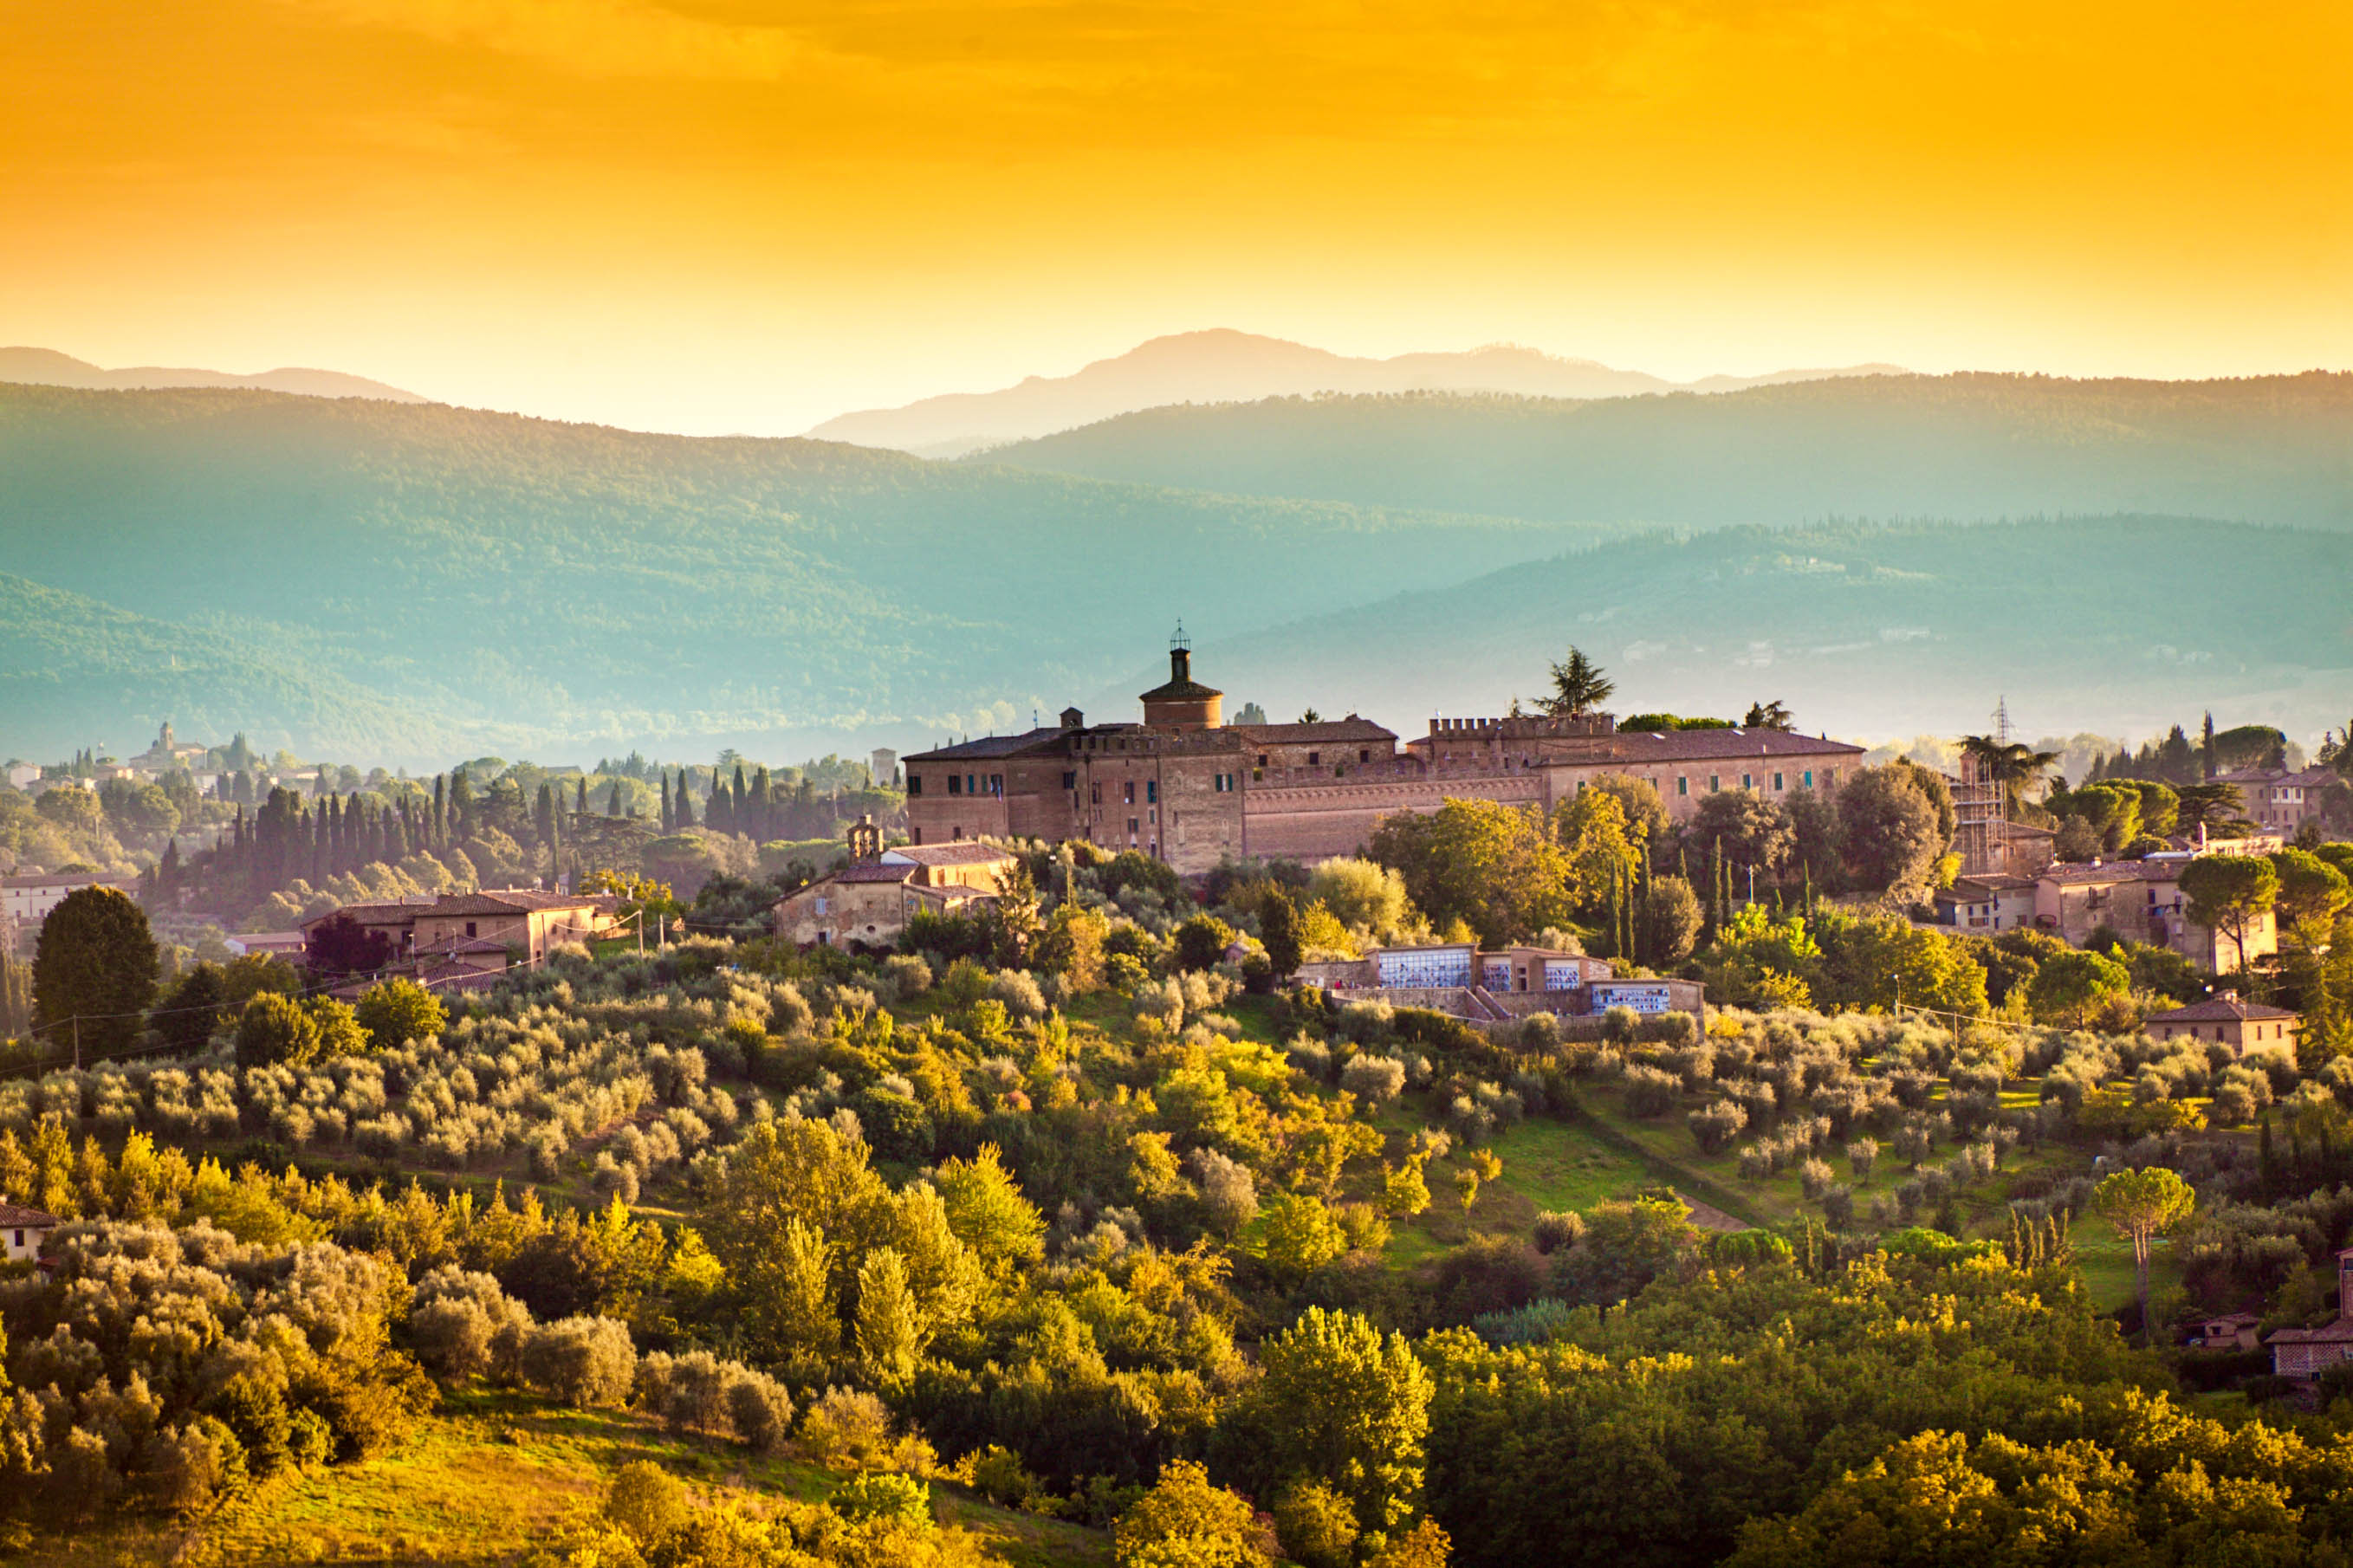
[
  {"x": 2226, "y": 1332},
  {"x": 520, "y": 921},
  {"x": 1992, "y": 902},
  {"x": 22, "y": 1230},
  {"x": 2308, "y": 1353},
  {"x": 870, "y": 902},
  {"x": 2248, "y": 1028}
]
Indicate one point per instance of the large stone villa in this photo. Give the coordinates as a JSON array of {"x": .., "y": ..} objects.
[{"x": 1186, "y": 787}]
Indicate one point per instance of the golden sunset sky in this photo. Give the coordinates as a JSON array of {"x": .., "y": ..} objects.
[{"x": 720, "y": 216}]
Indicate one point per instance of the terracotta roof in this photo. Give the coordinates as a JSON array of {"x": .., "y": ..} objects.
[
  {"x": 15, "y": 1214},
  {"x": 371, "y": 914},
  {"x": 864, "y": 871},
  {"x": 2072, "y": 873},
  {"x": 1180, "y": 692},
  {"x": 58, "y": 879},
  {"x": 1704, "y": 745},
  {"x": 2328, "y": 1333},
  {"x": 990, "y": 747},
  {"x": 507, "y": 901},
  {"x": 1637, "y": 748},
  {"x": 2226, "y": 1009},
  {"x": 964, "y": 852},
  {"x": 1352, "y": 727},
  {"x": 1985, "y": 886}
]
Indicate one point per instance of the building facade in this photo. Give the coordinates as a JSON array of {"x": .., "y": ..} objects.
[
  {"x": 2284, "y": 800},
  {"x": 2245, "y": 1028},
  {"x": 2140, "y": 900},
  {"x": 869, "y": 903},
  {"x": 1186, "y": 787},
  {"x": 524, "y": 922},
  {"x": 31, "y": 897},
  {"x": 2308, "y": 1353}
]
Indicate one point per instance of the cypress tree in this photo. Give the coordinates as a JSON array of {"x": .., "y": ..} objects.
[
  {"x": 440, "y": 815},
  {"x": 682, "y": 803},
  {"x": 461, "y": 804},
  {"x": 613, "y": 798},
  {"x": 580, "y": 801},
  {"x": 669, "y": 814}
]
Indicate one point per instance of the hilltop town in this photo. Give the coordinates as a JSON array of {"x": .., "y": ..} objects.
[{"x": 823, "y": 1121}]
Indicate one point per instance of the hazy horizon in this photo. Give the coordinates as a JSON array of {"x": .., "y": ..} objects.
[
  {"x": 726, "y": 217},
  {"x": 717, "y": 425}
]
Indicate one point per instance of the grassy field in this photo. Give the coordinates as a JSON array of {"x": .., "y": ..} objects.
[
  {"x": 488, "y": 1482},
  {"x": 1608, "y": 1154}
]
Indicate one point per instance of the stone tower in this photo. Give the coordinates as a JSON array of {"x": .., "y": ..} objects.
[{"x": 1184, "y": 703}]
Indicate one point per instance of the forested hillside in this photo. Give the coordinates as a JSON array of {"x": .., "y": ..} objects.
[
  {"x": 2127, "y": 620},
  {"x": 532, "y": 582},
  {"x": 72, "y": 666},
  {"x": 414, "y": 581},
  {"x": 2268, "y": 449}
]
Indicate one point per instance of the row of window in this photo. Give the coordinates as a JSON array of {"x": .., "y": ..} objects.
[
  {"x": 962, "y": 783},
  {"x": 1226, "y": 783},
  {"x": 1748, "y": 781}
]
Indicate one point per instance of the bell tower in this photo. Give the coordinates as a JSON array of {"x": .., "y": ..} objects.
[{"x": 1184, "y": 703}]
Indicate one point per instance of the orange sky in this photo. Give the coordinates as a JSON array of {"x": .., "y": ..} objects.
[{"x": 722, "y": 214}]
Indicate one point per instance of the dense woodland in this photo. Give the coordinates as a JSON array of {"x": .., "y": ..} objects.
[
  {"x": 1060, "y": 1214},
  {"x": 255, "y": 856}
]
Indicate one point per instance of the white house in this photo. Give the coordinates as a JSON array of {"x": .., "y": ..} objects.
[{"x": 22, "y": 1230}]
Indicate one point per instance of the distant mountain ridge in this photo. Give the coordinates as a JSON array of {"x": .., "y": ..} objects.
[
  {"x": 46, "y": 367},
  {"x": 1222, "y": 365},
  {"x": 412, "y": 571},
  {"x": 2129, "y": 624},
  {"x": 2265, "y": 450}
]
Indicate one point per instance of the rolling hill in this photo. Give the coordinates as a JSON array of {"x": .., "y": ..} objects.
[
  {"x": 394, "y": 582},
  {"x": 2271, "y": 449},
  {"x": 46, "y": 367},
  {"x": 2124, "y": 624},
  {"x": 1223, "y": 365},
  {"x": 540, "y": 584}
]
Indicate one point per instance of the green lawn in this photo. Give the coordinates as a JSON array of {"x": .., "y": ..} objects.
[{"x": 488, "y": 1480}]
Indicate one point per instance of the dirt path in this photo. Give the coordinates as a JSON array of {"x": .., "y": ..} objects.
[{"x": 1707, "y": 1216}]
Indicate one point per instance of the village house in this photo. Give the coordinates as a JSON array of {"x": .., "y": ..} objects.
[
  {"x": 32, "y": 896},
  {"x": 1993, "y": 903},
  {"x": 290, "y": 945},
  {"x": 870, "y": 902},
  {"x": 2140, "y": 900},
  {"x": 1186, "y": 788},
  {"x": 2285, "y": 799},
  {"x": 22, "y": 1230},
  {"x": 2308, "y": 1353},
  {"x": 510, "y": 924},
  {"x": 2226, "y": 1332},
  {"x": 2248, "y": 1028}
]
